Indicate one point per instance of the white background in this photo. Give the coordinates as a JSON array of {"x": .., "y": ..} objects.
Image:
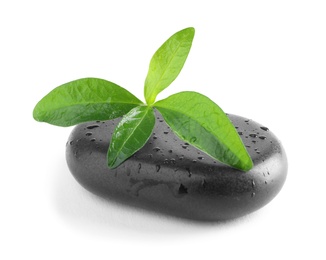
[{"x": 265, "y": 60}]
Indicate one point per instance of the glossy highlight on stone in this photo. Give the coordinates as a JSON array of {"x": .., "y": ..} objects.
[{"x": 172, "y": 177}]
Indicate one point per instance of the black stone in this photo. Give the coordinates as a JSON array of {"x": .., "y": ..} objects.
[{"x": 172, "y": 177}]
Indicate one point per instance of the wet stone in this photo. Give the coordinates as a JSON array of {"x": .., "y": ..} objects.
[{"x": 206, "y": 190}]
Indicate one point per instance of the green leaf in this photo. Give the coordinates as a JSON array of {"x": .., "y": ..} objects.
[
  {"x": 84, "y": 100},
  {"x": 199, "y": 121},
  {"x": 167, "y": 63},
  {"x": 131, "y": 134}
]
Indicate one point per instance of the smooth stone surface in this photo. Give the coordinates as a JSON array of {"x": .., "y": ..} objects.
[{"x": 174, "y": 178}]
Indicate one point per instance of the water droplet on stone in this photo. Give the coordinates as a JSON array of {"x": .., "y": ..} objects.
[
  {"x": 247, "y": 120},
  {"x": 154, "y": 137},
  {"x": 253, "y": 135},
  {"x": 184, "y": 146},
  {"x": 264, "y": 128},
  {"x": 158, "y": 167},
  {"x": 204, "y": 184},
  {"x": 170, "y": 151},
  {"x": 240, "y": 133},
  {"x": 253, "y": 184},
  {"x": 156, "y": 149},
  {"x": 182, "y": 189},
  {"x": 200, "y": 157},
  {"x": 189, "y": 172},
  {"x": 93, "y": 140},
  {"x": 262, "y": 137},
  {"x": 92, "y": 126},
  {"x": 194, "y": 161},
  {"x": 139, "y": 167},
  {"x": 88, "y": 134},
  {"x": 71, "y": 142},
  {"x": 253, "y": 194},
  {"x": 166, "y": 132}
]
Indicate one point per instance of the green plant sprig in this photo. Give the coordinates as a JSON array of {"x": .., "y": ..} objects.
[{"x": 193, "y": 117}]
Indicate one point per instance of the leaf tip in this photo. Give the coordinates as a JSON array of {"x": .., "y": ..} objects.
[
  {"x": 189, "y": 31},
  {"x": 111, "y": 161},
  {"x": 112, "y": 166},
  {"x": 247, "y": 165},
  {"x": 36, "y": 114}
]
